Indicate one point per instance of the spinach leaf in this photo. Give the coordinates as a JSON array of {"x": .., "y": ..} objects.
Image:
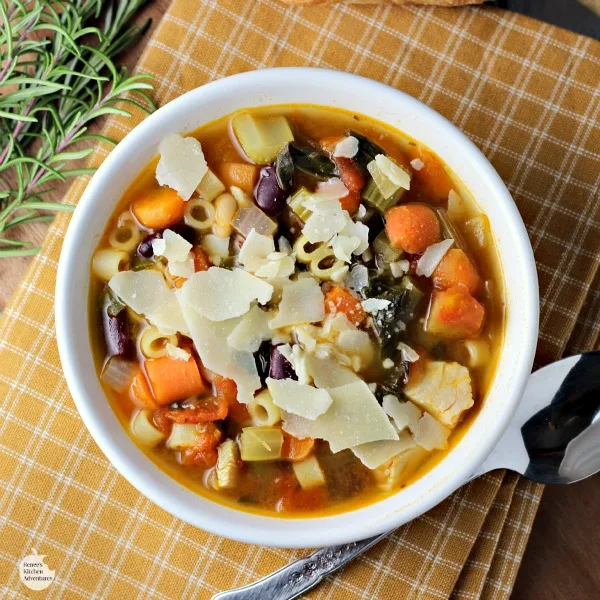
[
  {"x": 284, "y": 168},
  {"x": 367, "y": 150},
  {"x": 312, "y": 162}
]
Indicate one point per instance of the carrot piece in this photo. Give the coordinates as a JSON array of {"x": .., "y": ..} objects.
[
  {"x": 294, "y": 449},
  {"x": 455, "y": 314},
  {"x": 227, "y": 390},
  {"x": 140, "y": 392},
  {"x": 241, "y": 175},
  {"x": 201, "y": 260},
  {"x": 432, "y": 179},
  {"x": 353, "y": 178},
  {"x": 159, "y": 208},
  {"x": 455, "y": 269},
  {"x": 337, "y": 299},
  {"x": 173, "y": 379},
  {"x": 204, "y": 453},
  {"x": 200, "y": 410},
  {"x": 412, "y": 227}
]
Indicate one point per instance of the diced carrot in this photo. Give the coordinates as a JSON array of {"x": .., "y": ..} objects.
[
  {"x": 455, "y": 269},
  {"x": 201, "y": 260},
  {"x": 432, "y": 179},
  {"x": 337, "y": 300},
  {"x": 173, "y": 379},
  {"x": 204, "y": 453},
  {"x": 294, "y": 449},
  {"x": 200, "y": 410},
  {"x": 140, "y": 392},
  {"x": 455, "y": 314},
  {"x": 227, "y": 390},
  {"x": 159, "y": 208},
  {"x": 352, "y": 177},
  {"x": 412, "y": 227},
  {"x": 241, "y": 175}
]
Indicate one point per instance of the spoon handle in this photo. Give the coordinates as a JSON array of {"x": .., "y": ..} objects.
[{"x": 299, "y": 576}]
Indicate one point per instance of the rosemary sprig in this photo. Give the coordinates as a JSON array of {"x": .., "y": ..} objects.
[{"x": 56, "y": 76}]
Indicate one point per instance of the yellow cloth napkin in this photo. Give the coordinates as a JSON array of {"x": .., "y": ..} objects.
[{"x": 527, "y": 95}]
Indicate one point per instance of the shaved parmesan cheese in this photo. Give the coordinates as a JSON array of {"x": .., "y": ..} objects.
[
  {"x": 146, "y": 293},
  {"x": 432, "y": 256},
  {"x": 353, "y": 418},
  {"x": 174, "y": 247},
  {"x": 358, "y": 278},
  {"x": 340, "y": 274},
  {"x": 404, "y": 414},
  {"x": 356, "y": 230},
  {"x": 302, "y": 301},
  {"x": 346, "y": 147},
  {"x": 408, "y": 354},
  {"x": 209, "y": 338},
  {"x": 299, "y": 399},
  {"x": 332, "y": 189},
  {"x": 343, "y": 247},
  {"x": 397, "y": 175},
  {"x": 182, "y": 269},
  {"x": 182, "y": 165},
  {"x": 284, "y": 245},
  {"x": 252, "y": 329},
  {"x": 374, "y": 454},
  {"x": 374, "y": 305},
  {"x": 357, "y": 343},
  {"x": 327, "y": 373},
  {"x": 278, "y": 267},
  {"x": 417, "y": 164},
  {"x": 177, "y": 353},
  {"x": 307, "y": 335},
  {"x": 255, "y": 249},
  {"x": 399, "y": 268},
  {"x": 219, "y": 294},
  {"x": 326, "y": 220},
  {"x": 431, "y": 434}
]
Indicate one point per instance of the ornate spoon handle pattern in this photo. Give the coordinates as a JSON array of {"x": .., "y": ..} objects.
[{"x": 299, "y": 576}]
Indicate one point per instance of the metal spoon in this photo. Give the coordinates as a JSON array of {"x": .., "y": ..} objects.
[{"x": 554, "y": 437}]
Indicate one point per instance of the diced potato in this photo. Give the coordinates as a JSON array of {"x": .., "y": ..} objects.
[
  {"x": 309, "y": 473},
  {"x": 261, "y": 443},
  {"x": 210, "y": 187},
  {"x": 442, "y": 389},
  {"x": 143, "y": 429},
  {"x": 261, "y": 139},
  {"x": 398, "y": 469},
  {"x": 241, "y": 175},
  {"x": 227, "y": 469},
  {"x": 431, "y": 434},
  {"x": 455, "y": 314},
  {"x": 183, "y": 435}
]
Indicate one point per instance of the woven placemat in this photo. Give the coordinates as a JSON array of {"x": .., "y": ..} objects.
[{"x": 527, "y": 95}]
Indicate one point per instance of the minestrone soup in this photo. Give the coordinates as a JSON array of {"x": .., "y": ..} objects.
[{"x": 296, "y": 310}]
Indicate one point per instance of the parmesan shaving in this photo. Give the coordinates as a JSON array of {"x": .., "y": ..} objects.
[
  {"x": 177, "y": 353},
  {"x": 173, "y": 247},
  {"x": 302, "y": 301},
  {"x": 219, "y": 294},
  {"x": 374, "y": 454},
  {"x": 346, "y": 148},
  {"x": 403, "y": 414},
  {"x": 252, "y": 329},
  {"x": 431, "y": 434},
  {"x": 374, "y": 305},
  {"x": 299, "y": 399},
  {"x": 432, "y": 256},
  {"x": 397, "y": 175}
]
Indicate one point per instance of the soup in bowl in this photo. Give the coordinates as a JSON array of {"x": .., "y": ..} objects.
[{"x": 299, "y": 311}]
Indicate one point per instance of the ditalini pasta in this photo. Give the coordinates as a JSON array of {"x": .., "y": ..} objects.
[{"x": 296, "y": 310}]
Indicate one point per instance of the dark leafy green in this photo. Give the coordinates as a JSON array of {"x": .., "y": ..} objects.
[
  {"x": 114, "y": 305},
  {"x": 284, "y": 168},
  {"x": 312, "y": 162},
  {"x": 367, "y": 150},
  {"x": 404, "y": 297},
  {"x": 394, "y": 379}
]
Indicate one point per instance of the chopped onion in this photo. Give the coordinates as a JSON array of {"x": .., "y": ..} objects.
[
  {"x": 408, "y": 354},
  {"x": 118, "y": 373},
  {"x": 251, "y": 217},
  {"x": 432, "y": 256}
]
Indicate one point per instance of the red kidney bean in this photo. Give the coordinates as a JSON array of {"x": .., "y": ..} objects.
[
  {"x": 144, "y": 249},
  {"x": 116, "y": 335},
  {"x": 280, "y": 367},
  {"x": 269, "y": 196}
]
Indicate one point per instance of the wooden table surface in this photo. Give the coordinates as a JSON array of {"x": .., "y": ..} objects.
[{"x": 562, "y": 560}]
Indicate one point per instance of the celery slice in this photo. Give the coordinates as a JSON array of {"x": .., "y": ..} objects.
[
  {"x": 210, "y": 187},
  {"x": 374, "y": 198},
  {"x": 261, "y": 139},
  {"x": 296, "y": 203},
  {"x": 260, "y": 443}
]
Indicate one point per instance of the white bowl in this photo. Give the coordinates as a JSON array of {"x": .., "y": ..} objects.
[{"x": 321, "y": 87}]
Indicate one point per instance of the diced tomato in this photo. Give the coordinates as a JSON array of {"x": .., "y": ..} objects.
[
  {"x": 201, "y": 260},
  {"x": 200, "y": 410},
  {"x": 352, "y": 177},
  {"x": 337, "y": 300},
  {"x": 454, "y": 313},
  {"x": 204, "y": 453},
  {"x": 455, "y": 269},
  {"x": 226, "y": 390}
]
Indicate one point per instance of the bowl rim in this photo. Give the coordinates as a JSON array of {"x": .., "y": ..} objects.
[{"x": 261, "y": 529}]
